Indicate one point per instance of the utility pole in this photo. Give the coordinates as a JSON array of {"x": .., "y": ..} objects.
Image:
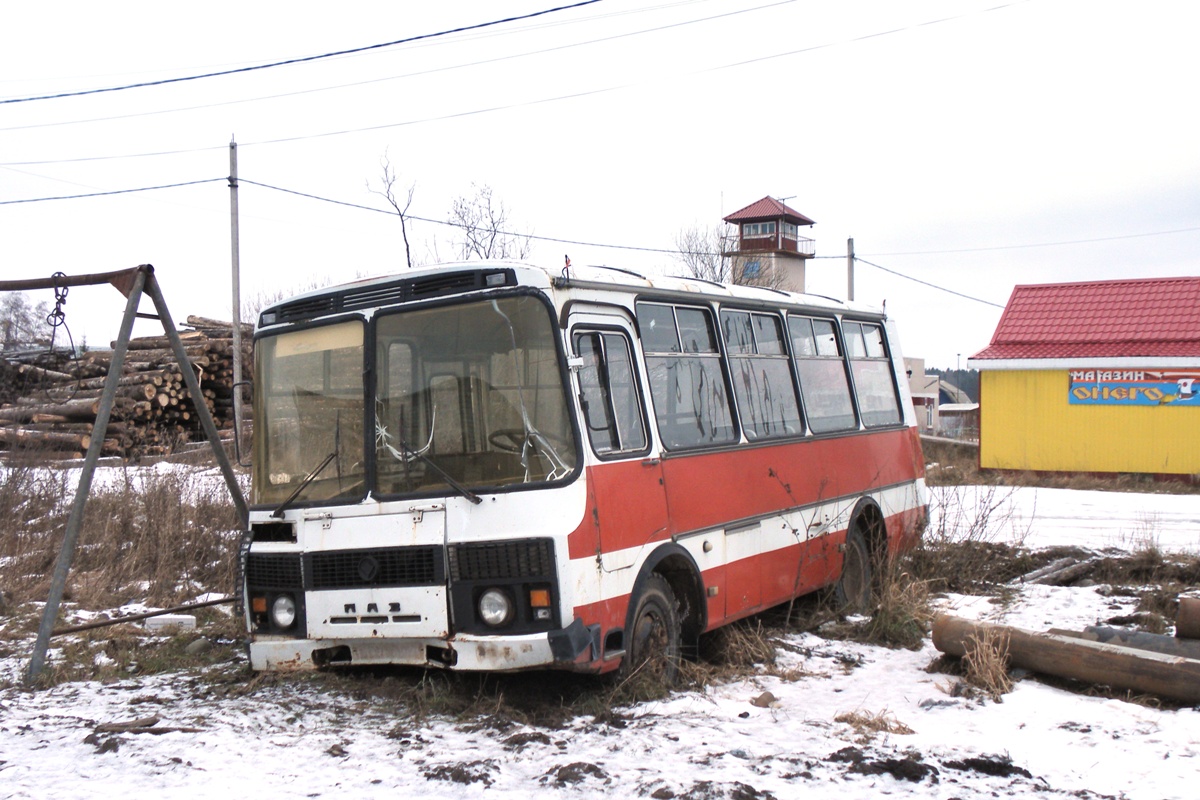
[
  {"x": 850, "y": 268},
  {"x": 235, "y": 257}
]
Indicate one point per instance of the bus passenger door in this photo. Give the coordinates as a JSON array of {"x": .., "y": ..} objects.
[{"x": 626, "y": 485}]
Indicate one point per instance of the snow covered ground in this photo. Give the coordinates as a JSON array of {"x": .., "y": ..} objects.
[{"x": 286, "y": 739}]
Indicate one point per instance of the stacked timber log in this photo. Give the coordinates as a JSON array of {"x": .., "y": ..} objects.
[{"x": 153, "y": 413}]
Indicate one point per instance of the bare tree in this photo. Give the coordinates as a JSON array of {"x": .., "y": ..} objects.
[
  {"x": 401, "y": 205},
  {"x": 703, "y": 254},
  {"x": 483, "y": 225}
]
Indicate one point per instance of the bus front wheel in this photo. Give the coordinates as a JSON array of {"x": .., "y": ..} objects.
[{"x": 654, "y": 634}]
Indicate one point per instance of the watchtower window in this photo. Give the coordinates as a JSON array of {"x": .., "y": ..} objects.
[{"x": 753, "y": 229}]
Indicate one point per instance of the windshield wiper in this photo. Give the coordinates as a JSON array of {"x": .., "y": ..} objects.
[
  {"x": 451, "y": 482},
  {"x": 312, "y": 476},
  {"x": 405, "y": 454}
]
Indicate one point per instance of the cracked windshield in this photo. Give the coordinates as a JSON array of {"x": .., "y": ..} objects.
[{"x": 470, "y": 395}]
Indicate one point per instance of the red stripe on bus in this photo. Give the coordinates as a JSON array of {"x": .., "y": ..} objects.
[{"x": 706, "y": 490}]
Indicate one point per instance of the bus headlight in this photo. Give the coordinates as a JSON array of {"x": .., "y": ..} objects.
[
  {"x": 283, "y": 611},
  {"x": 495, "y": 608}
]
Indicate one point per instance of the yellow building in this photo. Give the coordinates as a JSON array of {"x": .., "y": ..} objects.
[{"x": 1093, "y": 377}]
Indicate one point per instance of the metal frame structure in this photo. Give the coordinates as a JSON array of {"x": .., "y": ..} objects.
[{"x": 133, "y": 283}]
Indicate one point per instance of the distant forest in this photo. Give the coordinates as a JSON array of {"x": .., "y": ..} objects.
[{"x": 965, "y": 379}]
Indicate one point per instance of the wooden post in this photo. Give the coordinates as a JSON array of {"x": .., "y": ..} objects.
[
  {"x": 1094, "y": 662},
  {"x": 1187, "y": 622}
]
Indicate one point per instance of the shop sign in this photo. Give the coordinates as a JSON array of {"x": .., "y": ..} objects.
[{"x": 1135, "y": 387}]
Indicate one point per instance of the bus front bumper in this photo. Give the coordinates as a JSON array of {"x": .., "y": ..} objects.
[{"x": 573, "y": 647}]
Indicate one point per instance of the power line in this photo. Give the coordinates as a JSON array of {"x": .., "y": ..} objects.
[
  {"x": 510, "y": 106},
  {"x": 453, "y": 224},
  {"x": 300, "y": 60},
  {"x": 112, "y": 192},
  {"x": 867, "y": 36},
  {"x": 418, "y": 73},
  {"x": 927, "y": 283},
  {"x": 636, "y": 248}
]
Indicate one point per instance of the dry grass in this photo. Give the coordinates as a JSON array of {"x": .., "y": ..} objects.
[
  {"x": 867, "y": 725},
  {"x": 126, "y": 650},
  {"x": 985, "y": 664},
  {"x": 975, "y": 541},
  {"x": 903, "y": 611},
  {"x": 739, "y": 646},
  {"x": 900, "y": 616},
  {"x": 152, "y": 537}
]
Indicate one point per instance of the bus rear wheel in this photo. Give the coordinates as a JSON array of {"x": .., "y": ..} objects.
[
  {"x": 853, "y": 591},
  {"x": 654, "y": 635}
]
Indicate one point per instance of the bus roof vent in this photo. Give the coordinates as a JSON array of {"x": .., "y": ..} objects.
[
  {"x": 307, "y": 308},
  {"x": 383, "y": 295},
  {"x": 401, "y": 290},
  {"x": 455, "y": 282}
]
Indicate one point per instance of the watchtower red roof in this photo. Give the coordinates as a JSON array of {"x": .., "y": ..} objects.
[
  {"x": 1146, "y": 317},
  {"x": 768, "y": 208}
]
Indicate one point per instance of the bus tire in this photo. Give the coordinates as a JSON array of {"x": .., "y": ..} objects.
[
  {"x": 654, "y": 634},
  {"x": 852, "y": 594}
]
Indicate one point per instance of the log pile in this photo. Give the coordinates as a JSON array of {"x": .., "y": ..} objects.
[{"x": 52, "y": 414}]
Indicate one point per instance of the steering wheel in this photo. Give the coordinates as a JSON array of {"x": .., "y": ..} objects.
[{"x": 510, "y": 440}]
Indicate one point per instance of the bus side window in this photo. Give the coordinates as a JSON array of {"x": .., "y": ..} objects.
[
  {"x": 612, "y": 411},
  {"x": 762, "y": 378},
  {"x": 822, "y": 372},
  {"x": 872, "y": 370},
  {"x": 687, "y": 376}
]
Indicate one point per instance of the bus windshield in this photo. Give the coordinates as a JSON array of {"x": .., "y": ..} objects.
[
  {"x": 470, "y": 395},
  {"x": 308, "y": 406}
]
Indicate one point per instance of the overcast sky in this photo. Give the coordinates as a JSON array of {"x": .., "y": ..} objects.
[{"x": 969, "y": 145}]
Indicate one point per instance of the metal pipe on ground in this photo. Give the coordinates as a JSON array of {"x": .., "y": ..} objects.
[{"x": 104, "y": 623}]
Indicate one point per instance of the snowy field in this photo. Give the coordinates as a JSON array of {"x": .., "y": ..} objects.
[{"x": 287, "y": 740}]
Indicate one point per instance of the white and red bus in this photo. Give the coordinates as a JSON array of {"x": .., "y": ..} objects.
[{"x": 494, "y": 466}]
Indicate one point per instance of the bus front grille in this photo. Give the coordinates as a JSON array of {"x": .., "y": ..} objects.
[
  {"x": 384, "y": 566},
  {"x": 485, "y": 561},
  {"x": 274, "y": 571}
]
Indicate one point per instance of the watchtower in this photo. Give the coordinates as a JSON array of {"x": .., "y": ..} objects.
[{"x": 765, "y": 246}]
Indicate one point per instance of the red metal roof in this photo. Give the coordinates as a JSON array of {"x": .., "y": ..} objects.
[
  {"x": 768, "y": 208},
  {"x": 1146, "y": 317}
]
